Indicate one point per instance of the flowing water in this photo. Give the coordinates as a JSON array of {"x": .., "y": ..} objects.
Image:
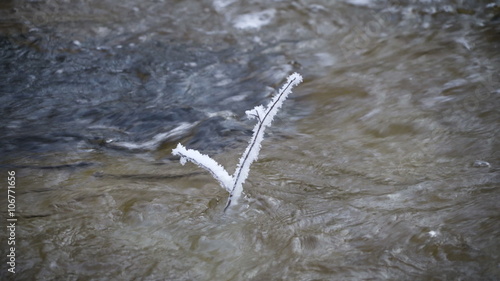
[{"x": 382, "y": 165}]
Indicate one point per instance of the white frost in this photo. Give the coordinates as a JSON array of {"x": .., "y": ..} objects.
[
  {"x": 205, "y": 162},
  {"x": 255, "y": 113},
  {"x": 264, "y": 115}
]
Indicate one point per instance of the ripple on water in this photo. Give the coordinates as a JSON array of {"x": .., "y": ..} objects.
[{"x": 382, "y": 166}]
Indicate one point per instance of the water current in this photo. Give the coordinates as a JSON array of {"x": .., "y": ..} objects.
[{"x": 382, "y": 165}]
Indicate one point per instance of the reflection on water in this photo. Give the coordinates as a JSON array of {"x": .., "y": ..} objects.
[{"x": 383, "y": 164}]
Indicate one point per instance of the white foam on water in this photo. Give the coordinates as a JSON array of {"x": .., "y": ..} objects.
[
  {"x": 157, "y": 139},
  {"x": 360, "y": 2},
  {"x": 254, "y": 20}
]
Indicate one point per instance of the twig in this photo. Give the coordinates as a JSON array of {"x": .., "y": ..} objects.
[{"x": 234, "y": 184}]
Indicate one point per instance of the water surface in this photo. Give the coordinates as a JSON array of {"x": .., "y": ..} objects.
[{"x": 382, "y": 165}]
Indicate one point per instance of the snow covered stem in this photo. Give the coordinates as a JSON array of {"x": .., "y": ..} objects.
[{"x": 264, "y": 115}]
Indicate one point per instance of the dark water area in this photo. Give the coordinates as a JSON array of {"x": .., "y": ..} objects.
[
  {"x": 91, "y": 97},
  {"x": 382, "y": 165}
]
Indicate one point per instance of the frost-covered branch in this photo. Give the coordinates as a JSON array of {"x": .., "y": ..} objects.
[
  {"x": 264, "y": 115},
  {"x": 205, "y": 162}
]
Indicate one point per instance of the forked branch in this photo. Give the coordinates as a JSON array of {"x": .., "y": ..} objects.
[{"x": 264, "y": 115}]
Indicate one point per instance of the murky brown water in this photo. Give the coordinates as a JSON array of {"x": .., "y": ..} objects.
[{"x": 383, "y": 165}]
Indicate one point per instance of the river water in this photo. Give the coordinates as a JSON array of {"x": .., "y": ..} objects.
[{"x": 382, "y": 165}]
